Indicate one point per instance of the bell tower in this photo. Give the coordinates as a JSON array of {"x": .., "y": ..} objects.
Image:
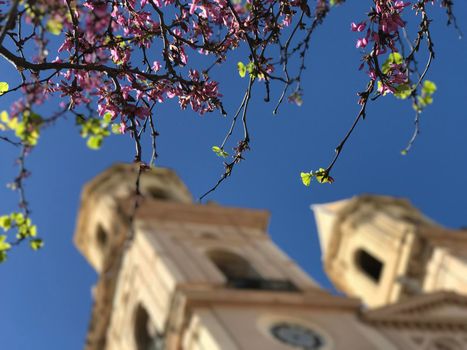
[
  {"x": 197, "y": 276},
  {"x": 383, "y": 250}
]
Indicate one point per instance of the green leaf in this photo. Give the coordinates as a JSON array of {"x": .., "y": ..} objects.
[
  {"x": 94, "y": 142},
  {"x": 95, "y": 128},
  {"x": 5, "y": 222},
  {"x": 416, "y": 107},
  {"x": 424, "y": 101},
  {"x": 241, "y": 69},
  {"x": 4, "y": 117},
  {"x": 36, "y": 244},
  {"x": 380, "y": 87},
  {"x": 393, "y": 58},
  {"x": 219, "y": 152},
  {"x": 3, "y": 87},
  {"x": 403, "y": 91},
  {"x": 323, "y": 177},
  {"x": 20, "y": 130},
  {"x": 250, "y": 67},
  {"x": 3, "y": 244},
  {"x": 33, "y": 230},
  {"x": 428, "y": 88},
  {"x": 13, "y": 123},
  {"x": 428, "y": 100},
  {"x": 54, "y": 26},
  {"x": 306, "y": 178},
  {"x": 18, "y": 218},
  {"x": 115, "y": 128},
  {"x": 28, "y": 129},
  {"x": 32, "y": 138},
  {"x": 107, "y": 118}
]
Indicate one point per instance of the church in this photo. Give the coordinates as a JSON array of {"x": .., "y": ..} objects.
[{"x": 178, "y": 275}]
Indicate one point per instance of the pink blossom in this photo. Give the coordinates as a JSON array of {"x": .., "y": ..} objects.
[
  {"x": 193, "y": 6},
  {"x": 156, "y": 66},
  {"x": 122, "y": 128},
  {"x": 67, "y": 45},
  {"x": 183, "y": 56},
  {"x": 360, "y": 27},
  {"x": 126, "y": 91},
  {"x": 363, "y": 42}
]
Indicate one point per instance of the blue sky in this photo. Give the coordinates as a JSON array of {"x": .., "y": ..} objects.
[{"x": 46, "y": 296}]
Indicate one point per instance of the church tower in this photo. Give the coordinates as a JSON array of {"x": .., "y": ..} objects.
[
  {"x": 383, "y": 250},
  {"x": 198, "y": 276},
  {"x": 177, "y": 275}
]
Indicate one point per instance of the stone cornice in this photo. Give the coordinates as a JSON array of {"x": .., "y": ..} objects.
[
  {"x": 155, "y": 210},
  {"x": 432, "y": 323},
  {"x": 205, "y": 296},
  {"x": 413, "y": 312}
]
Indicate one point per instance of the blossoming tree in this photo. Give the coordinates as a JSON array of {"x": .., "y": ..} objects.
[{"x": 110, "y": 63}]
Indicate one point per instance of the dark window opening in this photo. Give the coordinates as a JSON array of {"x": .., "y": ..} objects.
[
  {"x": 157, "y": 193},
  {"x": 241, "y": 275},
  {"x": 232, "y": 265},
  {"x": 368, "y": 264},
  {"x": 101, "y": 237},
  {"x": 263, "y": 284},
  {"x": 146, "y": 337}
]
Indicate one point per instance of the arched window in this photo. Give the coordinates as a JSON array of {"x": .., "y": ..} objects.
[
  {"x": 241, "y": 275},
  {"x": 156, "y": 193},
  {"x": 233, "y": 266},
  {"x": 145, "y": 334},
  {"x": 371, "y": 266}
]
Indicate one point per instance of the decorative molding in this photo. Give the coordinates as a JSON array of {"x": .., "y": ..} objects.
[{"x": 412, "y": 313}]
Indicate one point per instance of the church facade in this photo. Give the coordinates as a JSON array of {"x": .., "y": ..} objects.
[{"x": 174, "y": 274}]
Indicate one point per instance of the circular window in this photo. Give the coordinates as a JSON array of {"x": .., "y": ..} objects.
[{"x": 297, "y": 336}]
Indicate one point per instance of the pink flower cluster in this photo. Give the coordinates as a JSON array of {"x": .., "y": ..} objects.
[
  {"x": 126, "y": 57},
  {"x": 382, "y": 30}
]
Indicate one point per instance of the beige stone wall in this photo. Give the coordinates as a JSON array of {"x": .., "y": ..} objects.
[
  {"x": 187, "y": 245},
  {"x": 249, "y": 328},
  {"x": 417, "y": 254},
  {"x": 166, "y": 255},
  {"x": 387, "y": 244},
  {"x": 446, "y": 271},
  {"x": 147, "y": 279}
]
